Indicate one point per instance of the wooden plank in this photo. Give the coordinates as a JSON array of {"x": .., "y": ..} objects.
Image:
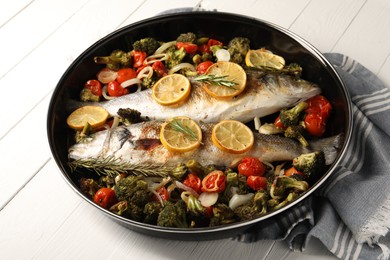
[
  {"x": 269, "y": 10},
  {"x": 384, "y": 74},
  {"x": 58, "y": 51},
  {"x": 368, "y": 31},
  {"x": 9, "y": 9},
  {"x": 32, "y": 31},
  {"x": 330, "y": 18}
]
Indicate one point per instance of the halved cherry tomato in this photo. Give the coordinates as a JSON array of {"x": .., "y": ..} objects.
[
  {"x": 315, "y": 124},
  {"x": 125, "y": 74},
  {"x": 159, "y": 68},
  {"x": 203, "y": 66},
  {"x": 163, "y": 193},
  {"x": 194, "y": 182},
  {"x": 278, "y": 123},
  {"x": 257, "y": 182},
  {"x": 105, "y": 197},
  {"x": 291, "y": 171},
  {"x": 139, "y": 58},
  {"x": 320, "y": 105},
  {"x": 212, "y": 42},
  {"x": 95, "y": 86},
  {"x": 190, "y": 48},
  {"x": 251, "y": 166},
  {"x": 114, "y": 89},
  {"x": 215, "y": 181},
  {"x": 203, "y": 48}
]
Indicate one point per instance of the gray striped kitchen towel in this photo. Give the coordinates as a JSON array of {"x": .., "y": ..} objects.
[{"x": 350, "y": 214}]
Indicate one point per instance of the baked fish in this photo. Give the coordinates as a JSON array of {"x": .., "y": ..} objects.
[{"x": 265, "y": 93}]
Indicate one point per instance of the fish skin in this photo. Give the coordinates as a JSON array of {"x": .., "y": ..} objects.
[
  {"x": 140, "y": 144},
  {"x": 265, "y": 94}
]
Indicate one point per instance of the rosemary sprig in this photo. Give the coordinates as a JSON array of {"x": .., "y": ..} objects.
[
  {"x": 179, "y": 127},
  {"x": 216, "y": 80},
  {"x": 112, "y": 166}
]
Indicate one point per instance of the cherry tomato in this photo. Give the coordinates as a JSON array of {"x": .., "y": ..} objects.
[
  {"x": 215, "y": 181},
  {"x": 315, "y": 124},
  {"x": 163, "y": 193},
  {"x": 95, "y": 86},
  {"x": 251, "y": 166},
  {"x": 278, "y": 123},
  {"x": 291, "y": 171},
  {"x": 203, "y": 66},
  {"x": 194, "y": 182},
  {"x": 106, "y": 75},
  {"x": 190, "y": 48},
  {"x": 114, "y": 89},
  {"x": 213, "y": 42},
  {"x": 105, "y": 197},
  {"x": 125, "y": 74},
  {"x": 257, "y": 182},
  {"x": 159, "y": 68},
  {"x": 203, "y": 48},
  {"x": 320, "y": 105},
  {"x": 139, "y": 58}
]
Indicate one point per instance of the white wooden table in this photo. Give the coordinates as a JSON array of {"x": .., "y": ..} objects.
[{"x": 40, "y": 215}]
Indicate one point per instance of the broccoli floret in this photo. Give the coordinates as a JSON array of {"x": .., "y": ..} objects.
[
  {"x": 89, "y": 187},
  {"x": 187, "y": 37},
  {"x": 235, "y": 184},
  {"x": 283, "y": 184},
  {"x": 274, "y": 204},
  {"x": 238, "y": 48},
  {"x": 310, "y": 163},
  {"x": 292, "y": 116},
  {"x": 148, "y": 45},
  {"x": 196, "y": 213},
  {"x": 175, "y": 56},
  {"x": 133, "y": 190},
  {"x": 296, "y": 132},
  {"x": 173, "y": 215},
  {"x": 195, "y": 166},
  {"x": 254, "y": 208},
  {"x": 293, "y": 69},
  {"x": 151, "y": 211},
  {"x": 84, "y": 134},
  {"x": 87, "y": 95},
  {"x": 222, "y": 215},
  {"x": 179, "y": 172},
  {"x": 117, "y": 59},
  {"x": 129, "y": 116}
]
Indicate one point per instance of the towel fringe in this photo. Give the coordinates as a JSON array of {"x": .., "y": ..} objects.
[{"x": 377, "y": 227}]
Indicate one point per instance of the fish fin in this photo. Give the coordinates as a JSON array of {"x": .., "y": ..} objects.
[{"x": 329, "y": 145}]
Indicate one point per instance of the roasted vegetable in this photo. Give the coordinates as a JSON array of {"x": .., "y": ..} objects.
[
  {"x": 186, "y": 37},
  {"x": 87, "y": 95},
  {"x": 296, "y": 132},
  {"x": 151, "y": 211},
  {"x": 173, "y": 215},
  {"x": 133, "y": 190},
  {"x": 116, "y": 60},
  {"x": 129, "y": 116},
  {"x": 238, "y": 47},
  {"x": 283, "y": 184},
  {"x": 256, "y": 207},
  {"x": 310, "y": 163},
  {"x": 222, "y": 215},
  {"x": 89, "y": 187},
  {"x": 148, "y": 45},
  {"x": 292, "y": 116},
  {"x": 176, "y": 56}
]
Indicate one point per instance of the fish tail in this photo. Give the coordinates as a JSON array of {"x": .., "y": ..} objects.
[{"x": 329, "y": 145}]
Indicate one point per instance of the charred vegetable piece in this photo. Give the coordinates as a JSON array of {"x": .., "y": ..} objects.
[
  {"x": 151, "y": 211},
  {"x": 296, "y": 132},
  {"x": 310, "y": 163},
  {"x": 173, "y": 215},
  {"x": 222, "y": 215},
  {"x": 254, "y": 208},
  {"x": 283, "y": 184},
  {"x": 129, "y": 116},
  {"x": 187, "y": 37},
  {"x": 116, "y": 60},
  {"x": 148, "y": 45},
  {"x": 292, "y": 116},
  {"x": 238, "y": 48},
  {"x": 89, "y": 187}
]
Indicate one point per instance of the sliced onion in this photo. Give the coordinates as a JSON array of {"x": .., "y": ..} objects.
[
  {"x": 238, "y": 200},
  {"x": 164, "y": 46},
  {"x": 208, "y": 199},
  {"x": 155, "y": 57},
  {"x": 106, "y": 75},
  {"x": 130, "y": 82},
  {"x": 182, "y": 186},
  {"x": 181, "y": 66},
  {"x": 257, "y": 122},
  {"x": 158, "y": 196},
  {"x": 105, "y": 93},
  {"x": 222, "y": 55},
  {"x": 146, "y": 72}
]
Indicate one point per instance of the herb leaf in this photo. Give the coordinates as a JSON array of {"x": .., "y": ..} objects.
[
  {"x": 179, "y": 127},
  {"x": 216, "y": 80}
]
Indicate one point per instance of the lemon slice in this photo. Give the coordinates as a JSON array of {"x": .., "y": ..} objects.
[
  {"x": 171, "y": 89},
  {"x": 232, "y": 73},
  {"x": 264, "y": 58},
  {"x": 94, "y": 115},
  {"x": 232, "y": 136},
  {"x": 181, "y": 134}
]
